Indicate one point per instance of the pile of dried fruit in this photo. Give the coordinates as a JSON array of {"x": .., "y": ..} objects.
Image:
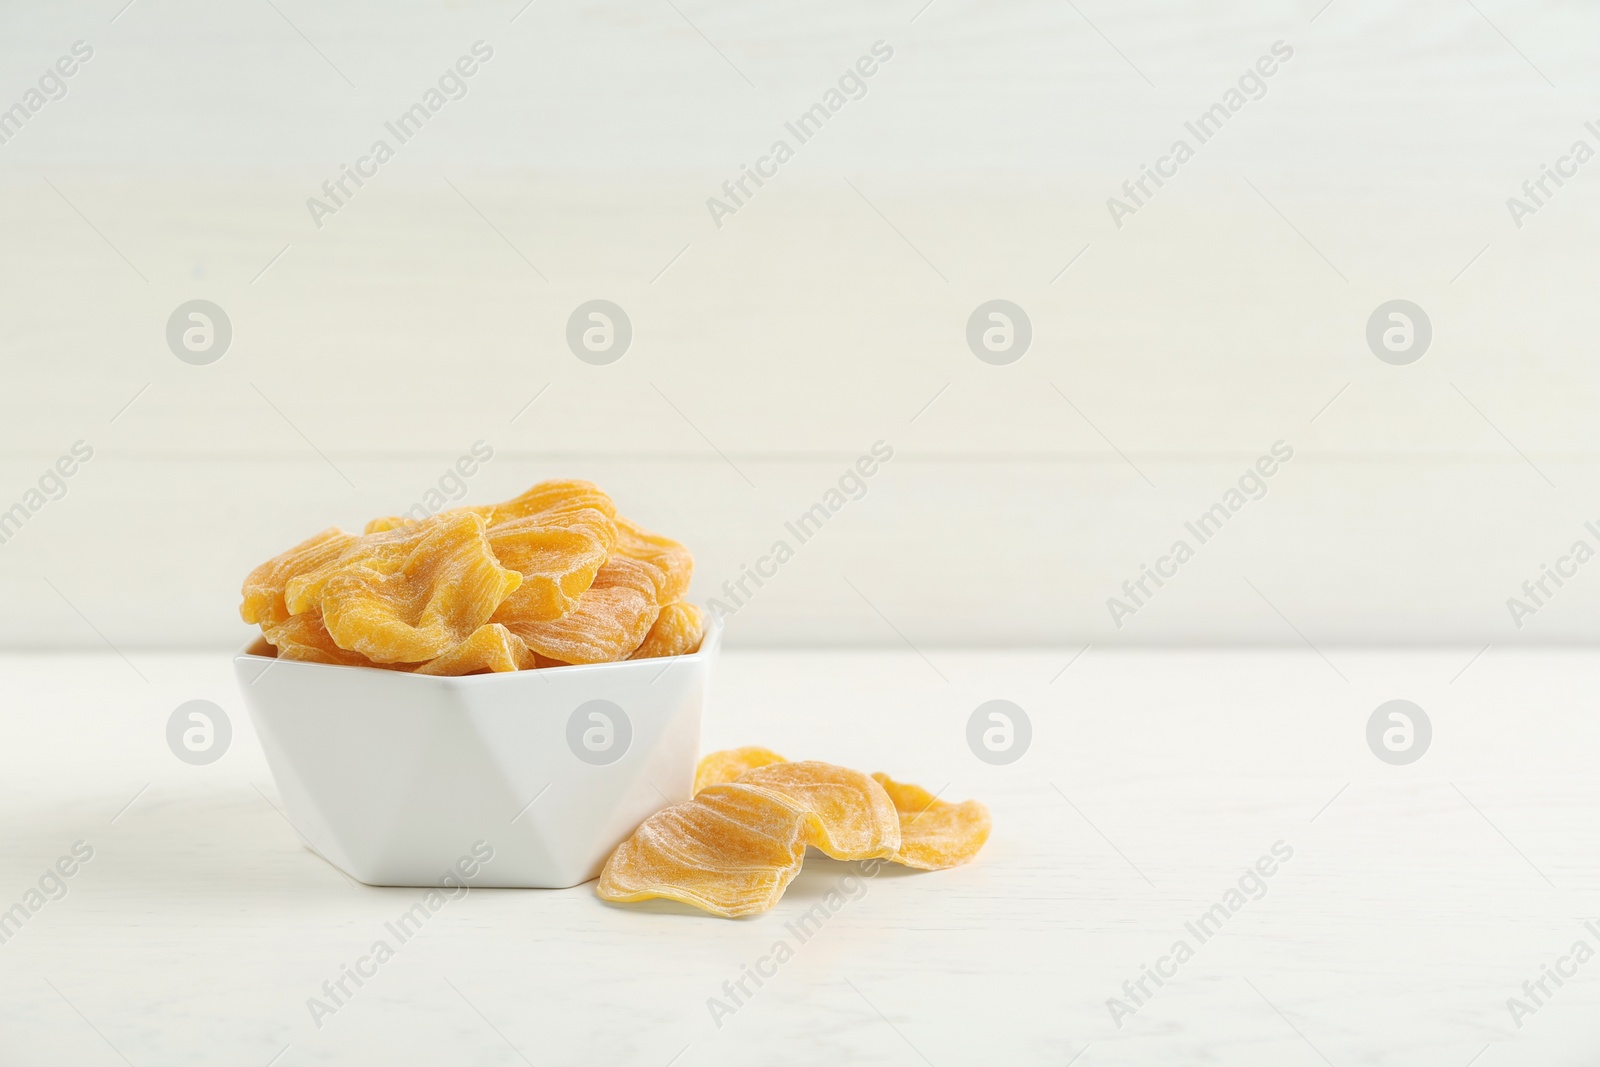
[
  {"x": 735, "y": 847},
  {"x": 552, "y": 577}
]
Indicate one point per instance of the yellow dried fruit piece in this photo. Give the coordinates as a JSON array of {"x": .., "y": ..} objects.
[
  {"x": 557, "y": 548},
  {"x": 557, "y": 562},
  {"x": 550, "y": 499},
  {"x": 386, "y": 523},
  {"x": 303, "y": 637},
  {"x": 616, "y": 612},
  {"x": 676, "y": 632},
  {"x": 411, "y": 594},
  {"x": 264, "y": 587},
  {"x": 730, "y": 763},
  {"x": 935, "y": 834},
  {"x": 556, "y": 535},
  {"x": 732, "y": 851},
  {"x": 490, "y": 648},
  {"x": 384, "y": 549},
  {"x": 611, "y": 619},
  {"x": 849, "y": 816},
  {"x": 671, "y": 564},
  {"x": 546, "y": 498},
  {"x": 734, "y": 848},
  {"x": 569, "y": 581}
]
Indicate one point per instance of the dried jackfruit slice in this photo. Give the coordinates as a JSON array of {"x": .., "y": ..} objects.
[
  {"x": 731, "y": 851},
  {"x": 264, "y": 587},
  {"x": 384, "y": 549},
  {"x": 547, "y": 498},
  {"x": 556, "y": 535},
  {"x": 614, "y": 615},
  {"x": 385, "y": 523},
  {"x": 490, "y": 648},
  {"x": 411, "y": 594},
  {"x": 671, "y": 564},
  {"x": 734, "y": 848},
  {"x": 303, "y": 637},
  {"x": 611, "y": 619},
  {"x": 730, "y": 763},
  {"x": 676, "y": 632},
  {"x": 551, "y": 498},
  {"x": 935, "y": 834},
  {"x": 571, "y": 582},
  {"x": 849, "y": 816},
  {"x": 558, "y": 556}
]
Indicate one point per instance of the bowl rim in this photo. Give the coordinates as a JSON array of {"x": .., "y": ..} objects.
[{"x": 710, "y": 644}]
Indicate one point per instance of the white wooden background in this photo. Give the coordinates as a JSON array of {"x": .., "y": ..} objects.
[{"x": 827, "y": 314}]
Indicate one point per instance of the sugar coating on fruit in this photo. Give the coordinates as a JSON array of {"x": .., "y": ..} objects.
[
  {"x": 935, "y": 834},
  {"x": 264, "y": 587},
  {"x": 677, "y": 631},
  {"x": 848, "y": 814},
  {"x": 304, "y": 637},
  {"x": 438, "y": 584},
  {"x": 701, "y": 853},
  {"x": 731, "y": 851},
  {"x": 730, "y": 763},
  {"x": 557, "y": 536},
  {"x": 491, "y": 648},
  {"x": 548, "y": 578}
]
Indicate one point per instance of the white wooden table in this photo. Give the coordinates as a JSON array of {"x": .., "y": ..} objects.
[{"x": 1418, "y": 898}]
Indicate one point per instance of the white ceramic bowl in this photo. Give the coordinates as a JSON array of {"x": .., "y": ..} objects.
[{"x": 395, "y": 777}]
